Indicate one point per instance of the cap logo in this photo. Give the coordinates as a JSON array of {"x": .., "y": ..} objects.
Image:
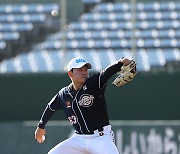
[{"x": 80, "y": 60}]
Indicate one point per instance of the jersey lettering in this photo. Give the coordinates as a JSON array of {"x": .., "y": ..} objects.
[{"x": 72, "y": 119}]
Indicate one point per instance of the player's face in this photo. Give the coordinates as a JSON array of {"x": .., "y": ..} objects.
[{"x": 80, "y": 75}]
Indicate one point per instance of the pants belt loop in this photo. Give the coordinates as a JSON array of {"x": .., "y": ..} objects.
[{"x": 100, "y": 130}]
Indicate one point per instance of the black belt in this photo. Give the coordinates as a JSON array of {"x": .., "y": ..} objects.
[{"x": 100, "y": 130}]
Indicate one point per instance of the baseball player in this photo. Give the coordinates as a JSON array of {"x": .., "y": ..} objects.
[{"x": 84, "y": 104}]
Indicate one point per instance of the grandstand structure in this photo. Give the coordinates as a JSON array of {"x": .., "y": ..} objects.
[{"x": 102, "y": 36}]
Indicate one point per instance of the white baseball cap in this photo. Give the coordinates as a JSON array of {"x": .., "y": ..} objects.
[{"x": 78, "y": 62}]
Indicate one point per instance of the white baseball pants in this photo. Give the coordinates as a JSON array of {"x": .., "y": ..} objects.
[{"x": 88, "y": 144}]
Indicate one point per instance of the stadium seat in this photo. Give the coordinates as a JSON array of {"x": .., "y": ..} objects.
[
  {"x": 58, "y": 35},
  {"x": 74, "y": 44},
  {"x": 151, "y": 6},
  {"x": 105, "y": 16},
  {"x": 117, "y": 34},
  {"x": 171, "y": 5},
  {"x": 108, "y": 16},
  {"x": 42, "y": 7},
  {"x": 48, "y": 45},
  {"x": 54, "y": 63},
  {"x": 22, "y": 18},
  {"x": 120, "y": 53},
  {"x": 99, "y": 34},
  {"x": 103, "y": 7},
  {"x": 142, "y": 60},
  {"x": 161, "y": 33},
  {"x": 78, "y": 26},
  {"x": 155, "y": 43},
  {"x": 28, "y": 8},
  {"x": 79, "y": 35},
  {"x": 165, "y": 33},
  {"x": 40, "y": 62},
  {"x": 57, "y": 60},
  {"x": 8, "y": 36},
  {"x": 140, "y": 56},
  {"x": 122, "y": 7},
  {"x": 172, "y": 54},
  {"x": 177, "y": 33},
  {"x": 177, "y": 5},
  {"x": 104, "y": 55},
  {"x": 92, "y": 57},
  {"x": 2, "y": 44},
  {"x": 158, "y": 15},
  {"x": 70, "y": 54},
  {"x": 108, "y": 7},
  {"x": 25, "y": 62},
  {"x": 102, "y": 44},
  {"x": 91, "y": 1},
  {"x": 8, "y": 66},
  {"x": 16, "y": 27},
  {"x": 156, "y": 58}
]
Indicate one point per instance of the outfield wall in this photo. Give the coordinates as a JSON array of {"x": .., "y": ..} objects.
[
  {"x": 132, "y": 137},
  {"x": 148, "y": 97}
]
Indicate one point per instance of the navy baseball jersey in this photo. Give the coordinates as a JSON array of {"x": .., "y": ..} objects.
[{"x": 85, "y": 108}]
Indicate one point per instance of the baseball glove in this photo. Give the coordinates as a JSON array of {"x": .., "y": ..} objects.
[{"x": 126, "y": 74}]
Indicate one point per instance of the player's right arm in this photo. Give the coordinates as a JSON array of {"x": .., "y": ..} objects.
[
  {"x": 50, "y": 109},
  {"x": 40, "y": 134}
]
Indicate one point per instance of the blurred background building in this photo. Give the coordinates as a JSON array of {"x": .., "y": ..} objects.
[{"x": 36, "y": 46}]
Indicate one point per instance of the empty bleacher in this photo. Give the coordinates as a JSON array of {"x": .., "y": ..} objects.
[
  {"x": 104, "y": 35},
  {"x": 27, "y": 8},
  {"x": 22, "y": 22}
]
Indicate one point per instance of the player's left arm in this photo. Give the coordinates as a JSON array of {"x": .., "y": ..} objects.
[{"x": 108, "y": 72}]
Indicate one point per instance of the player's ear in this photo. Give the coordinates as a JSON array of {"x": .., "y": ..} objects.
[{"x": 70, "y": 73}]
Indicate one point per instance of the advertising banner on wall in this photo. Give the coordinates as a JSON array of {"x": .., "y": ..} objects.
[{"x": 147, "y": 137}]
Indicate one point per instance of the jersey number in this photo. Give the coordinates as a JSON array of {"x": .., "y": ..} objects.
[{"x": 72, "y": 119}]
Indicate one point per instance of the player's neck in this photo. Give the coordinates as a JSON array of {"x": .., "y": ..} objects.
[{"x": 77, "y": 86}]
